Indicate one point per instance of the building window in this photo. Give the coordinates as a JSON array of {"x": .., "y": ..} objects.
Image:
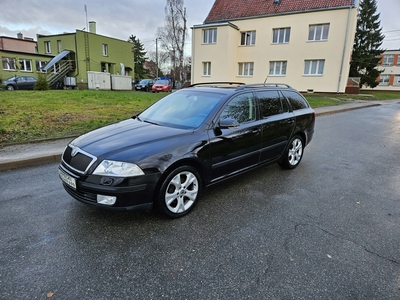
[
  {"x": 388, "y": 60},
  {"x": 384, "y": 79},
  {"x": 314, "y": 67},
  {"x": 40, "y": 65},
  {"x": 281, "y": 36},
  {"x": 396, "y": 81},
  {"x": 206, "y": 68},
  {"x": 246, "y": 69},
  {"x": 47, "y": 47},
  {"x": 8, "y": 63},
  {"x": 248, "y": 38},
  {"x": 318, "y": 32},
  {"x": 210, "y": 36},
  {"x": 25, "y": 65},
  {"x": 277, "y": 68},
  {"x": 105, "y": 49},
  {"x": 59, "y": 46}
]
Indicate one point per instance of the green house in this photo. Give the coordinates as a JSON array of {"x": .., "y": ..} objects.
[{"x": 76, "y": 54}]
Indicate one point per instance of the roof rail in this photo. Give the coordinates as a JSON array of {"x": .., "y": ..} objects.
[
  {"x": 265, "y": 84},
  {"x": 217, "y": 84}
]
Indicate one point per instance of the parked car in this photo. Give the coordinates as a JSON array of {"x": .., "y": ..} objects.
[
  {"x": 162, "y": 85},
  {"x": 20, "y": 83},
  {"x": 144, "y": 85},
  {"x": 188, "y": 140}
]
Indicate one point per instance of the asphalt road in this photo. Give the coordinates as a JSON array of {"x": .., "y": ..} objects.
[{"x": 329, "y": 229}]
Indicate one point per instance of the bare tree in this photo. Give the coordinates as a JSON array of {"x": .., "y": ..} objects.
[{"x": 173, "y": 35}]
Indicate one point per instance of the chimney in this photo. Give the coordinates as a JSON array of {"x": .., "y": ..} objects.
[
  {"x": 20, "y": 35},
  {"x": 92, "y": 26}
]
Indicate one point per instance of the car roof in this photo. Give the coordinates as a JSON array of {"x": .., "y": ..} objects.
[{"x": 233, "y": 87}]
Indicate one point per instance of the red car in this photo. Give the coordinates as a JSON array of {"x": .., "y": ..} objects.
[{"x": 162, "y": 85}]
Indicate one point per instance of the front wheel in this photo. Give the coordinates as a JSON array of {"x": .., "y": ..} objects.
[
  {"x": 10, "y": 87},
  {"x": 179, "y": 192},
  {"x": 293, "y": 154}
]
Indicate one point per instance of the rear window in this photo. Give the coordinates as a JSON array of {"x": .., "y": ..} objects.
[{"x": 296, "y": 100}]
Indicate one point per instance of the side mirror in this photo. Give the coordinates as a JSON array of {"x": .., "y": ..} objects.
[{"x": 228, "y": 124}]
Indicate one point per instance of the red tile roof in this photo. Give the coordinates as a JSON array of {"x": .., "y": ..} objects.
[{"x": 225, "y": 10}]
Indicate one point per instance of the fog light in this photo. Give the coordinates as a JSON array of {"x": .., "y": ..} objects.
[{"x": 106, "y": 200}]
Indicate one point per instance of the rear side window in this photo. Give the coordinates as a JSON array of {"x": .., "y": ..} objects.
[
  {"x": 271, "y": 103},
  {"x": 296, "y": 100}
]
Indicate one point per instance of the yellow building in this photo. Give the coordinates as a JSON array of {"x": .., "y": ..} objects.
[
  {"x": 306, "y": 44},
  {"x": 389, "y": 80}
]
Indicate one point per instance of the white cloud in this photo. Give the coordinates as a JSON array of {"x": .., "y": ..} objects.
[{"x": 122, "y": 18}]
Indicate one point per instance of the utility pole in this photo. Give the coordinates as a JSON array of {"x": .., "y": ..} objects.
[{"x": 157, "y": 57}]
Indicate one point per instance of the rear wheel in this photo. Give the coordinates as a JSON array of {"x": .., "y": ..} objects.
[
  {"x": 293, "y": 154},
  {"x": 179, "y": 192}
]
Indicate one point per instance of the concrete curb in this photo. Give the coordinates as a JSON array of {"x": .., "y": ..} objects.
[
  {"x": 30, "y": 162},
  {"x": 324, "y": 113}
]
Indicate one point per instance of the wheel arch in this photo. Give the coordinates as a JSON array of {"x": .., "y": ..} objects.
[
  {"x": 183, "y": 162},
  {"x": 302, "y": 135}
]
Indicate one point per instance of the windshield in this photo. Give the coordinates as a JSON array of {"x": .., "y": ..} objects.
[
  {"x": 162, "y": 82},
  {"x": 184, "y": 109},
  {"x": 144, "y": 81}
]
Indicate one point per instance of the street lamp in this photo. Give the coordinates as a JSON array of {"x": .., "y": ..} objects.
[{"x": 157, "y": 57}]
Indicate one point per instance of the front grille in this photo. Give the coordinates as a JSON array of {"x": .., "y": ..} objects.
[
  {"x": 81, "y": 196},
  {"x": 80, "y": 161}
]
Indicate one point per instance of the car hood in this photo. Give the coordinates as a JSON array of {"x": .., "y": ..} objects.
[{"x": 108, "y": 141}]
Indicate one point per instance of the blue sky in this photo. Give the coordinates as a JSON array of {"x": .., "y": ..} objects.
[{"x": 122, "y": 18}]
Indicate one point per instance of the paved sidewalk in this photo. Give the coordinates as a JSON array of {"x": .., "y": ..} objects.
[{"x": 36, "y": 153}]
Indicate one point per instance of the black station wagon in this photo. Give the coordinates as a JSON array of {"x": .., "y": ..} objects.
[{"x": 188, "y": 140}]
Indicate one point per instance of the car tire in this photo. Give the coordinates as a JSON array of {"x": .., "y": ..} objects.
[
  {"x": 293, "y": 153},
  {"x": 10, "y": 87},
  {"x": 179, "y": 192}
]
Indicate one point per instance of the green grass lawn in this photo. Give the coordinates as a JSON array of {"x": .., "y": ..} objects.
[{"x": 33, "y": 115}]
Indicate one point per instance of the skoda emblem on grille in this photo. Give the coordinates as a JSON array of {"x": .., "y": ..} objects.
[{"x": 74, "y": 150}]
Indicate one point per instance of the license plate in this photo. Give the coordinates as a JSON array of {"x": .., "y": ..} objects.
[
  {"x": 159, "y": 89},
  {"x": 138, "y": 87},
  {"x": 67, "y": 179}
]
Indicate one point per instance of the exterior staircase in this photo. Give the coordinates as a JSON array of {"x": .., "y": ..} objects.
[{"x": 59, "y": 71}]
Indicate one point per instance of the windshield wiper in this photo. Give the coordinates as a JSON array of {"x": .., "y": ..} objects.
[
  {"x": 147, "y": 121},
  {"x": 150, "y": 122}
]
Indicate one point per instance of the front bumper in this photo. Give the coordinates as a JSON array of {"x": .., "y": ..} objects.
[{"x": 135, "y": 193}]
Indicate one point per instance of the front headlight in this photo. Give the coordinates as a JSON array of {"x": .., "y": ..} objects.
[{"x": 117, "y": 169}]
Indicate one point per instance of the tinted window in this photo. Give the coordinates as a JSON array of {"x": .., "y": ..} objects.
[
  {"x": 295, "y": 99},
  {"x": 271, "y": 104},
  {"x": 241, "y": 108}
]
